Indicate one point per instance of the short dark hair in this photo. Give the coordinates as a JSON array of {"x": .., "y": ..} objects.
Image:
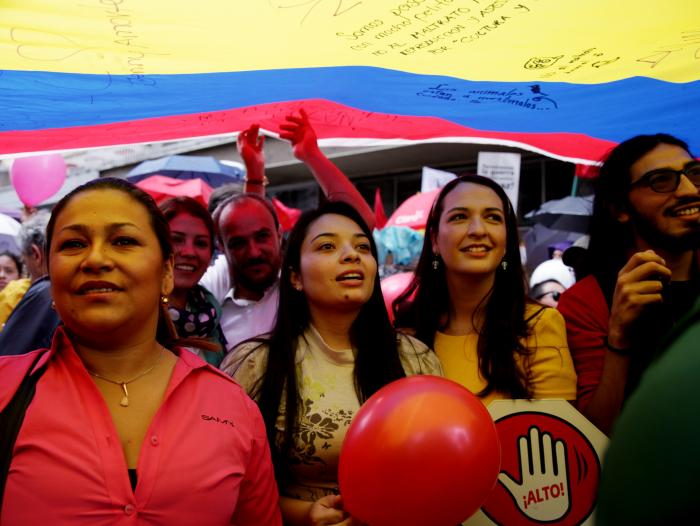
[
  {"x": 422, "y": 305},
  {"x": 222, "y": 193},
  {"x": 187, "y": 205},
  {"x": 611, "y": 240},
  {"x": 239, "y": 198},
  {"x": 14, "y": 257}
]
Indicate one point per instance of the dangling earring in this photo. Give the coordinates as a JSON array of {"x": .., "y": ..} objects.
[
  {"x": 53, "y": 305},
  {"x": 504, "y": 264},
  {"x": 436, "y": 261}
]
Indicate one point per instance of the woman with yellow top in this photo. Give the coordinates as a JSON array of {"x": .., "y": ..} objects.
[
  {"x": 12, "y": 288},
  {"x": 10, "y": 268},
  {"x": 468, "y": 302}
]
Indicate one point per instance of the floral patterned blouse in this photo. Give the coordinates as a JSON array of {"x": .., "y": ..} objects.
[{"x": 329, "y": 403}]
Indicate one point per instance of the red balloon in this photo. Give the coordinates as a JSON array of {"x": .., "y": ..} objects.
[
  {"x": 392, "y": 287},
  {"x": 421, "y": 451}
]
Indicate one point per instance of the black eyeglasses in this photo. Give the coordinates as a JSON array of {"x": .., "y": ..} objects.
[
  {"x": 665, "y": 180},
  {"x": 555, "y": 295}
]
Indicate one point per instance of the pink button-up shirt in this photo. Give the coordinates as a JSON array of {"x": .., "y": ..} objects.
[{"x": 204, "y": 460}]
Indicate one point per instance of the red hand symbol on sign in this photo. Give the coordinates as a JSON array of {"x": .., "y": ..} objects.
[{"x": 543, "y": 491}]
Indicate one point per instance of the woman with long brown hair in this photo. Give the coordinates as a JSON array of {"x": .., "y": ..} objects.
[
  {"x": 331, "y": 348},
  {"x": 468, "y": 302}
]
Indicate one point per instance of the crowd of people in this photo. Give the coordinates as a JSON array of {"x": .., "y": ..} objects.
[{"x": 155, "y": 379}]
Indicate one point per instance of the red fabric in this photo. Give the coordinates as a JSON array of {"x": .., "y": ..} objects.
[
  {"x": 586, "y": 314},
  {"x": 379, "y": 214},
  {"x": 287, "y": 216},
  {"x": 204, "y": 460},
  {"x": 161, "y": 187},
  {"x": 587, "y": 171},
  {"x": 342, "y": 121}
]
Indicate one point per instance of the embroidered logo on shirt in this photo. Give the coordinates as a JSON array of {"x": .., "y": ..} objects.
[{"x": 225, "y": 421}]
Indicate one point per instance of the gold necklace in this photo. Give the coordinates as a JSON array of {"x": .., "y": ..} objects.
[{"x": 123, "y": 383}]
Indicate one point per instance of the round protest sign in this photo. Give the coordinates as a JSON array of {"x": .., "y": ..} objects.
[{"x": 550, "y": 465}]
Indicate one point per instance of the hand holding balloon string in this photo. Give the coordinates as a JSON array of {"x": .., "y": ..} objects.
[{"x": 328, "y": 511}]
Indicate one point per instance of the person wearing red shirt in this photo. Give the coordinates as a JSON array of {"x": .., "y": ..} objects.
[
  {"x": 126, "y": 427},
  {"x": 644, "y": 237}
]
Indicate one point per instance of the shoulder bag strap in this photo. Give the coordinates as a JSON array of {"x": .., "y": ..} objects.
[{"x": 11, "y": 418}]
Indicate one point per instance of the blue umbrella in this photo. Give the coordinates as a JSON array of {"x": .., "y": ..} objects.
[{"x": 211, "y": 170}]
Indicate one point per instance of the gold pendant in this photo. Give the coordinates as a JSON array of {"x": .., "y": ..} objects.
[{"x": 125, "y": 400}]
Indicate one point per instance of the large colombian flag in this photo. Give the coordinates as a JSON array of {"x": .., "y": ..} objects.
[{"x": 562, "y": 77}]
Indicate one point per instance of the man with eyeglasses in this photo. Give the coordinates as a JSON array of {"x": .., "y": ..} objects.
[{"x": 642, "y": 257}]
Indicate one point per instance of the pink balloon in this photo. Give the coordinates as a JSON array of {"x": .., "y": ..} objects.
[
  {"x": 422, "y": 451},
  {"x": 37, "y": 178},
  {"x": 392, "y": 287}
]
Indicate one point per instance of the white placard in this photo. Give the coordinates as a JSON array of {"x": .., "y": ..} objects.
[
  {"x": 504, "y": 168},
  {"x": 433, "y": 179}
]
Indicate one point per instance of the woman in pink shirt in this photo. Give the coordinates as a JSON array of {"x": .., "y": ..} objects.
[{"x": 125, "y": 427}]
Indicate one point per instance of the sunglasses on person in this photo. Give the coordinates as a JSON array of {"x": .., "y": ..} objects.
[
  {"x": 555, "y": 295},
  {"x": 665, "y": 180}
]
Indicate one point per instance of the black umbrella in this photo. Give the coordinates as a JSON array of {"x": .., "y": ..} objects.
[
  {"x": 570, "y": 214},
  {"x": 539, "y": 239}
]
